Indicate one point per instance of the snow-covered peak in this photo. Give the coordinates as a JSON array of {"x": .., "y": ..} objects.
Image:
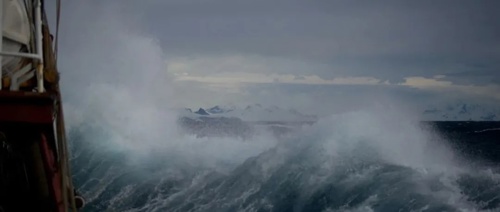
[
  {"x": 202, "y": 112},
  {"x": 256, "y": 113},
  {"x": 461, "y": 111},
  {"x": 253, "y": 107},
  {"x": 259, "y": 113},
  {"x": 219, "y": 109}
]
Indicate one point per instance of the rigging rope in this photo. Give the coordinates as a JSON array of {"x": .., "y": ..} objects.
[{"x": 58, "y": 15}]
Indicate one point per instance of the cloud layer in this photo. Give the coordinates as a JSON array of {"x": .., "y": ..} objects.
[{"x": 279, "y": 51}]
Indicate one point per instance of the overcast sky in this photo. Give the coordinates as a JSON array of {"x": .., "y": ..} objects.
[{"x": 337, "y": 54}]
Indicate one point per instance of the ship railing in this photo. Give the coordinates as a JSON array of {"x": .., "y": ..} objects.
[{"x": 25, "y": 73}]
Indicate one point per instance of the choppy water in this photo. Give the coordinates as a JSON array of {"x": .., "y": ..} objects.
[{"x": 351, "y": 162}]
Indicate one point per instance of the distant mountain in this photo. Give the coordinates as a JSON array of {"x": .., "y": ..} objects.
[
  {"x": 246, "y": 121},
  {"x": 461, "y": 111},
  {"x": 257, "y": 113},
  {"x": 202, "y": 112},
  {"x": 454, "y": 111},
  {"x": 218, "y": 109},
  {"x": 242, "y": 122}
]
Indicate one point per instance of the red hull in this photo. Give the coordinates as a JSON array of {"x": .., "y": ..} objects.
[
  {"x": 28, "y": 122},
  {"x": 26, "y": 107}
]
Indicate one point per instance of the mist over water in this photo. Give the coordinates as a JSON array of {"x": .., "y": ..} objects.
[{"x": 128, "y": 154}]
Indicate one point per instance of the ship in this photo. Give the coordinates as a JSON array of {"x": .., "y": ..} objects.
[{"x": 35, "y": 172}]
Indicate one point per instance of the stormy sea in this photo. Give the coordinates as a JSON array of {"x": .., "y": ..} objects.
[
  {"x": 358, "y": 161},
  {"x": 125, "y": 81}
]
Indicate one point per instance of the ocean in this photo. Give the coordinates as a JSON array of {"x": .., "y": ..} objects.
[{"x": 353, "y": 162}]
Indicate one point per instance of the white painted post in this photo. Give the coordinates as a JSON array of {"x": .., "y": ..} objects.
[{"x": 39, "y": 44}]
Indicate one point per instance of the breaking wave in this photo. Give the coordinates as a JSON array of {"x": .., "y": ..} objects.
[{"x": 351, "y": 162}]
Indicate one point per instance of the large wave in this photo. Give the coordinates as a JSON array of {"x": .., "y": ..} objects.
[
  {"x": 352, "y": 162},
  {"x": 127, "y": 154}
]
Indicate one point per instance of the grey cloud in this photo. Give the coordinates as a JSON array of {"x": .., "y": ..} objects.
[
  {"x": 299, "y": 78},
  {"x": 475, "y": 72},
  {"x": 387, "y": 39}
]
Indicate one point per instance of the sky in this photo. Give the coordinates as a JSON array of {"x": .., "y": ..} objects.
[{"x": 317, "y": 55}]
